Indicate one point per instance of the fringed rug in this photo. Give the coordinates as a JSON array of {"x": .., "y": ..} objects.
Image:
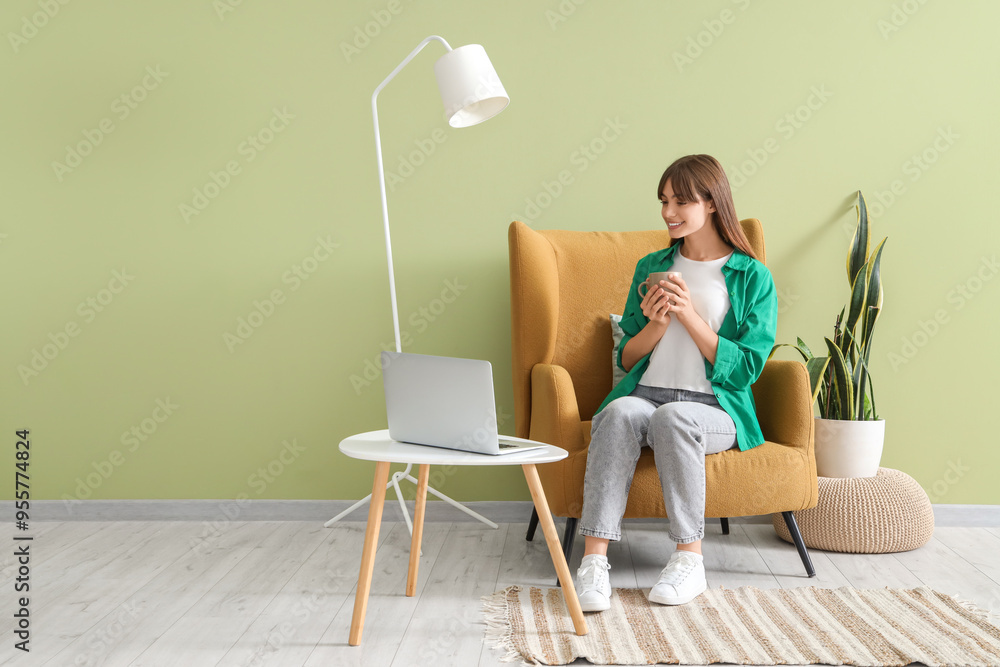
[{"x": 748, "y": 626}]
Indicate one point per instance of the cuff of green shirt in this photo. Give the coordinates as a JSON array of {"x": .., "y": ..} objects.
[
  {"x": 633, "y": 324},
  {"x": 630, "y": 325},
  {"x": 726, "y": 356}
]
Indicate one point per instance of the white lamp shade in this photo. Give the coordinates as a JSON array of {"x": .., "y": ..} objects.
[{"x": 470, "y": 88}]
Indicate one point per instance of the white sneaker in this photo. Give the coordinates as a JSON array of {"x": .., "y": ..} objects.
[
  {"x": 682, "y": 580},
  {"x": 593, "y": 585}
]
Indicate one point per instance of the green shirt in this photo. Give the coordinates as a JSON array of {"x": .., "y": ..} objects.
[{"x": 746, "y": 337}]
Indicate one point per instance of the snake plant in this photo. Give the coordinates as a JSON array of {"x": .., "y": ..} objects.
[{"x": 841, "y": 381}]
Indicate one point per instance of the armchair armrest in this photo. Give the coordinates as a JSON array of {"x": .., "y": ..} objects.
[
  {"x": 783, "y": 400},
  {"x": 555, "y": 415}
]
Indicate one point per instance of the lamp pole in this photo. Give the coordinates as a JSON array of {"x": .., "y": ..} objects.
[{"x": 381, "y": 176}]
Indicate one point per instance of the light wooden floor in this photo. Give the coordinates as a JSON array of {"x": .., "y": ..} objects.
[{"x": 282, "y": 593}]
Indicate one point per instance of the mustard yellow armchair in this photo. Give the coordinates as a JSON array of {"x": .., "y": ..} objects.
[{"x": 563, "y": 287}]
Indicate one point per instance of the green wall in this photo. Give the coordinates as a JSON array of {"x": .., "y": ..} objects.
[{"x": 224, "y": 166}]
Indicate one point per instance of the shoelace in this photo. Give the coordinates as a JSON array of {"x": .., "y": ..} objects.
[
  {"x": 677, "y": 571},
  {"x": 592, "y": 576}
]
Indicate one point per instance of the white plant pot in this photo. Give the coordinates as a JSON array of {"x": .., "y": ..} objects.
[{"x": 847, "y": 448}]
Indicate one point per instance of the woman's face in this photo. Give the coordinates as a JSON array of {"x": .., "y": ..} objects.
[{"x": 684, "y": 218}]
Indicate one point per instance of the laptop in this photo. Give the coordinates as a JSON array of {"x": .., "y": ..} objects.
[{"x": 444, "y": 402}]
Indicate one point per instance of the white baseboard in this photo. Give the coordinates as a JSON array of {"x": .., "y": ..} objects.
[{"x": 320, "y": 510}]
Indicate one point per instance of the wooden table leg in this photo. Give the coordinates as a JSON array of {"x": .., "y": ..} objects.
[
  {"x": 555, "y": 548},
  {"x": 368, "y": 554},
  {"x": 418, "y": 530}
]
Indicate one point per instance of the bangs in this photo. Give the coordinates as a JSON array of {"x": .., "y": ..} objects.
[{"x": 684, "y": 183}]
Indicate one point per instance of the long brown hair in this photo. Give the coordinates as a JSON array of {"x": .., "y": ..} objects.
[{"x": 701, "y": 178}]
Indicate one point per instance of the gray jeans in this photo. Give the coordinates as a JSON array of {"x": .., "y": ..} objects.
[{"x": 682, "y": 427}]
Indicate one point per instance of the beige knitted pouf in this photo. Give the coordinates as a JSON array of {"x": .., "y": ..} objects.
[{"x": 865, "y": 515}]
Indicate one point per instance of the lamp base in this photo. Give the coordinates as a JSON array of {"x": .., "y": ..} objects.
[{"x": 394, "y": 482}]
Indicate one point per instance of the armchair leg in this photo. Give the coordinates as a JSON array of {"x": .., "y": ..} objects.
[
  {"x": 532, "y": 524},
  {"x": 793, "y": 528},
  {"x": 568, "y": 536},
  {"x": 725, "y": 525}
]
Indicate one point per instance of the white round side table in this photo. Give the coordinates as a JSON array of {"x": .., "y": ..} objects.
[{"x": 379, "y": 447}]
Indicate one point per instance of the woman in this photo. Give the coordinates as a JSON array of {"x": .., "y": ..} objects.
[{"x": 693, "y": 345}]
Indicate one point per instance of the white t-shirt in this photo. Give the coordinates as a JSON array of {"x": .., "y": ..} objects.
[{"x": 676, "y": 360}]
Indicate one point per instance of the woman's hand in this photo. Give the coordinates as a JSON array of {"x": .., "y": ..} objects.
[
  {"x": 655, "y": 306},
  {"x": 679, "y": 298}
]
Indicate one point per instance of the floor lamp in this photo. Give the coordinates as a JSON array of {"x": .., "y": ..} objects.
[{"x": 471, "y": 93}]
